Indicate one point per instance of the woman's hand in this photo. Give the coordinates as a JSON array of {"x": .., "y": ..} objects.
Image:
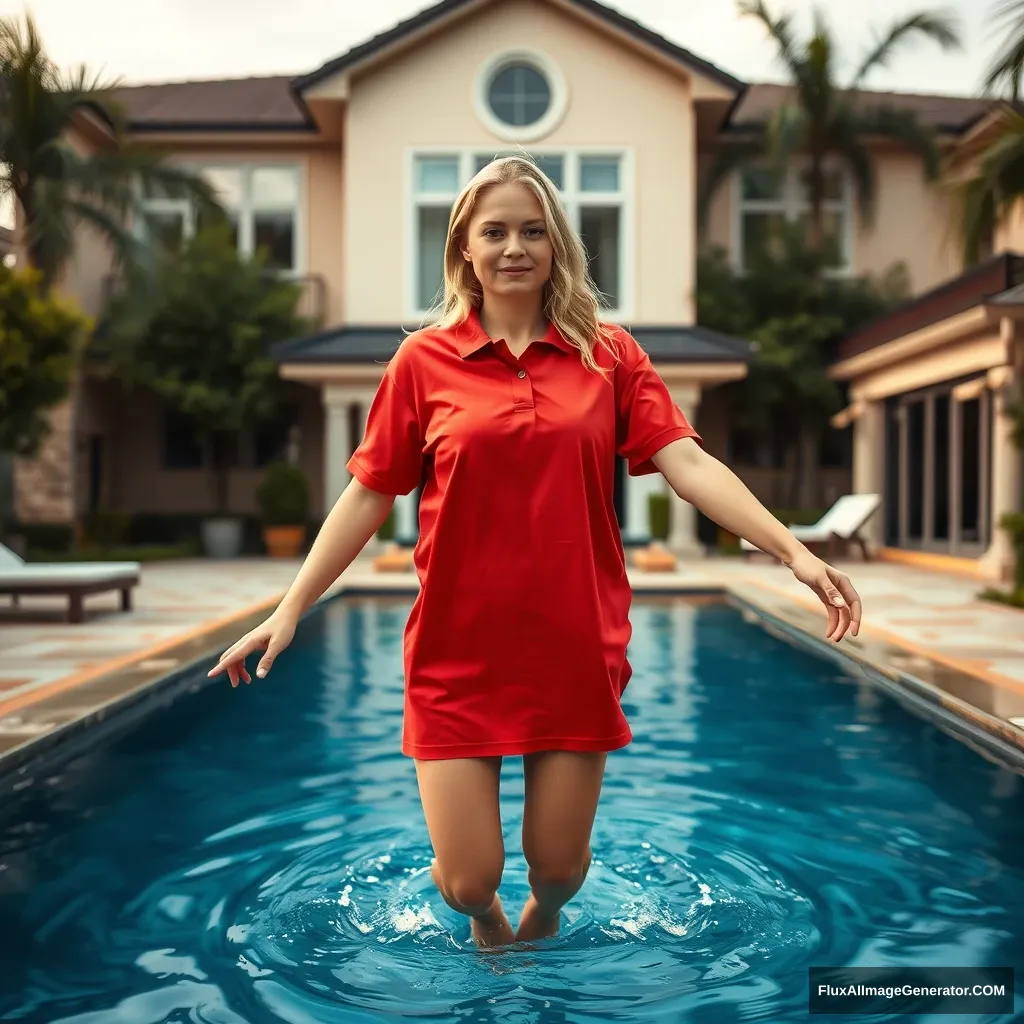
[
  {"x": 273, "y": 636},
  {"x": 834, "y": 590}
]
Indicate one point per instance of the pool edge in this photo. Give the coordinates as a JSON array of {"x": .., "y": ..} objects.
[{"x": 142, "y": 692}]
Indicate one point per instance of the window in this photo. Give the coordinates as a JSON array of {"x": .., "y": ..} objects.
[
  {"x": 262, "y": 205},
  {"x": 271, "y": 439},
  {"x": 592, "y": 187},
  {"x": 519, "y": 95},
  {"x": 767, "y": 200},
  {"x": 182, "y": 446}
]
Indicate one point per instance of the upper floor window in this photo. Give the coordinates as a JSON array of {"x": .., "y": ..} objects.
[
  {"x": 262, "y": 205},
  {"x": 520, "y": 95},
  {"x": 767, "y": 200},
  {"x": 592, "y": 188}
]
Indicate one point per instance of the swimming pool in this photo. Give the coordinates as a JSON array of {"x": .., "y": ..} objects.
[{"x": 260, "y": 854}]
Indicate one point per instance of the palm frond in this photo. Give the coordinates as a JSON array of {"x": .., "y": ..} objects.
[
  {"x": 1007, "y": 22},
  {"x": 942, "y": 27},
  {"x": 778, "y": 30},
  {"x": 904, "y": 127},
  {"x": 984, "y": 200}
]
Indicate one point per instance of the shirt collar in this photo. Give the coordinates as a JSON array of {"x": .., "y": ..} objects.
[{"x": 470, "y": 336}]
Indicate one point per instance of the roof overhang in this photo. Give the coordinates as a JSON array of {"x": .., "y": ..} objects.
[
  {"x": 987, "y": 318},
  {"x": 333, "y": 79}
]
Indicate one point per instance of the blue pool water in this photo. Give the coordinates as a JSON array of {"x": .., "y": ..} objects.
[{"x": 260, "y": 855}]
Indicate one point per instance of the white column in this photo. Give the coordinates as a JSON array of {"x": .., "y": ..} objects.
[
  {"x": 405, "y": 518},
  {"x": 337, "y": 442},
  {"x": 869, "y": 464},
  {"x": 682, "y": 536},
  {"x": 998, "y": 562},
  {"x": 634, "y": 500}
]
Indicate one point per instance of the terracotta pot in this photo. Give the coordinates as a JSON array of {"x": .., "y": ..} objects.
[{"x": 284, "y": 541}]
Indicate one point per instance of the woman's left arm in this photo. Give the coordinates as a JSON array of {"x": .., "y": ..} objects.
[{"x": 712, "y": 487}]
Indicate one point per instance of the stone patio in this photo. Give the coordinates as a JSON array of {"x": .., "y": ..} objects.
[{"x": 923, "y": 623}]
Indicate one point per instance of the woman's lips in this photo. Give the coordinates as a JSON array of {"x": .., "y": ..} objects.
[{"x": 514, "y": 271}]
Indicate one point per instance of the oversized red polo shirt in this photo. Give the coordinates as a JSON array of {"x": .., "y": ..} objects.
[{"x": 517, "y": 639}]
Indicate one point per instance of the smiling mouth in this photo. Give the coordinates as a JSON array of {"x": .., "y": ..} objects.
[{"x": 514, "y": 270}]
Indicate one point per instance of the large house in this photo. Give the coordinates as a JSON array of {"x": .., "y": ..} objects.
[{"x": 346, "y": 176}]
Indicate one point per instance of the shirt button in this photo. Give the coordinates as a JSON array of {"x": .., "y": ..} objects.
[{"x": 522, "y": 373}]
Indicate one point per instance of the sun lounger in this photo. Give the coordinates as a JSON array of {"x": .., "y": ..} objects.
[
  {"x": 841, "y": 523},
  {"x": 75, "y": 579}
]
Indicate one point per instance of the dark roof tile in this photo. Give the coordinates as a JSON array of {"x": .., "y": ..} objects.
[{"x": 683, "y": 344}]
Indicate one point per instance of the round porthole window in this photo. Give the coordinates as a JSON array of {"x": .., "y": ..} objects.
[{"x": 519, "y": 95}]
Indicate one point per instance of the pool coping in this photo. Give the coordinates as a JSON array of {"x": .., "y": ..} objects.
[{"x": 69, "y": 715}]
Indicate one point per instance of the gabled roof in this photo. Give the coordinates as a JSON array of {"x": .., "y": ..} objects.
[
  {"x": 424, "y": 18},
  {"x": 349, "y": 344}
]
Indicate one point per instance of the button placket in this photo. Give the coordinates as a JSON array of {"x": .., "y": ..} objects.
[{"x": 522, "y": 389}]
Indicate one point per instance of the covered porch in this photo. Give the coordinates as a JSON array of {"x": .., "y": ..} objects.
[
  {"x": 345, "y": 365},
  {"x": 932, "y": 388}
]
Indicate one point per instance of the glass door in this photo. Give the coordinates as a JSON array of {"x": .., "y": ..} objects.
[{"x": 937, "y": 474}]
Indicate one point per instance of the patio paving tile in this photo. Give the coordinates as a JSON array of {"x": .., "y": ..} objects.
[{"x": 47, "y": 661}]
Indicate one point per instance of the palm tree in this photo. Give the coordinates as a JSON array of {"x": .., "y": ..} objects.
[
  {"x": 825, "y": 121},
  {"x": 1007, "y": 21},
  {"x": 986, "y": 196},
  {"x": 994, "y": 184},
  {"x": 55, "y": 188}
]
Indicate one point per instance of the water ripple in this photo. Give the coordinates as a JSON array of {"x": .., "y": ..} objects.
[{"x": 770, "y": 815}]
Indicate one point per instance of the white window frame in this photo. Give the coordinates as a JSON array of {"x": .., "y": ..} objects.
[
  {"x": 547, "y": 67},
  {"x": 791, "y": 206},
  {"x": 246, "y": 231},
  {"x": 624, "y": 199}
]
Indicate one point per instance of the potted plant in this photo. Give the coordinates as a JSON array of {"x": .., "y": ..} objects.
[{"x": 283, "y": 499}]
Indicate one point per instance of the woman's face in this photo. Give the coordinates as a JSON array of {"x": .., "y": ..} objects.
[{"x": 507, "y": 242}]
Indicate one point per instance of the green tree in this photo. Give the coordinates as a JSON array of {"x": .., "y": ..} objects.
[
  {"x": 58, "y": 189},
  {"x": 825, "y": 121},
  {"x": 796, "y": 314},
  {"x": 40, "y": 337},
  {"x": 201, "y": 341}
]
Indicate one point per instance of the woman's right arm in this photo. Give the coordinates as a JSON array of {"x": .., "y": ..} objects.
[{"x": 355, "y": 518}]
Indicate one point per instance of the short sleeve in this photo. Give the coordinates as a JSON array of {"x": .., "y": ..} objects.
[
  {"x": 389, "y": 458},
  {"x": 647, "y": 418}
]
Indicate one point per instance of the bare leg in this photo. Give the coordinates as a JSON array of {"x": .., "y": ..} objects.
[
  {"x": 460, "y": 804},
  {"x": 562, "y": 792}
]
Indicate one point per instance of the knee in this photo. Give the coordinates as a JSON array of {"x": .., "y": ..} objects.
[{"x": 559, "y": 871}]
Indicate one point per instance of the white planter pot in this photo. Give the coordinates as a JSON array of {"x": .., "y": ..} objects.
[{"x": 222, "y": 538}]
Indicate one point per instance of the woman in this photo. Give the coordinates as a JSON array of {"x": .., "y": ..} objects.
[{"x": 510, "y": 408}]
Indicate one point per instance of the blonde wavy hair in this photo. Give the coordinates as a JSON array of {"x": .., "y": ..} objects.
[{"x": 570, "y": 296}]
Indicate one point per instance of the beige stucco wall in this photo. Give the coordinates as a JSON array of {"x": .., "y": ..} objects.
[
  {"x": 424, "y": 98},
  {"x": 911, "y": 223},
  {"x": 1009, "y": 236}
]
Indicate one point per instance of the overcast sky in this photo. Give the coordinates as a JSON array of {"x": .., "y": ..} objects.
[{"x": 171, "y": 40}]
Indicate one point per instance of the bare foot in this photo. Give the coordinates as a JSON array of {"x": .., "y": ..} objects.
[
  {"x": 493, "y": 929},
  {"x": 532, "y": 925}
]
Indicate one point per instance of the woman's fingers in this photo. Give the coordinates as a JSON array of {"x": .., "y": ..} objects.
[
  {"x": 852, "y": 599},
  {"x": 239, "y": 652}
]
